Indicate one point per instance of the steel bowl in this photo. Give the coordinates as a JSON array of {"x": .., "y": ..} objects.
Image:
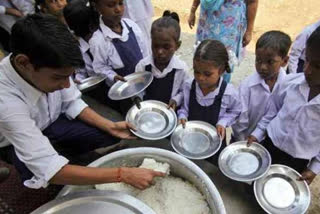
[
  {"x": 91, "y": 83},
  {"x": 153, "y": 121},
  {"x": 198, "y": 140},
  {"x": 135, "y": 84},
  {"x": 279, "y": 192},
  {"x": 179, "y": 167},
  {"x": 242, "y": 163}
]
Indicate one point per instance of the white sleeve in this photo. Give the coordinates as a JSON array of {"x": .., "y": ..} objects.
[{"x": 297, "y": 48}]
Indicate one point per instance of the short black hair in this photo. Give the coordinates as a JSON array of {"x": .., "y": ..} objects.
[
  {"x": 168, "y": 19},
  {"x": 313, "y": 42},
  {"x": 275, "y": 40},
  {"x": 213, "y": 51},
  {"x": 80, "y": 18},
  {"x": 46, "y": 41}
]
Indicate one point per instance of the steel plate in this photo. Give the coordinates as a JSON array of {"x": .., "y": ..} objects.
[
  {"x": 279, "y": 192},
  {"x": 91, "y": 83},
  {"x": 198, "y": 140},
  {"x": 135, "y": 84}
]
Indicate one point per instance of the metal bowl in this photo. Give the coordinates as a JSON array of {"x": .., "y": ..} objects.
[
  {"x": 179, "y": 167},
  {"x": 198, "y": 140},
  {"x": 91, "y": 83},
  {"x": 153, "y": 121},
  {"x": 95, "y": 202},
  {"x": 279, "y": 192},
  {"x": 242, "y": 163},
  {"x": 135, "y": 84}
]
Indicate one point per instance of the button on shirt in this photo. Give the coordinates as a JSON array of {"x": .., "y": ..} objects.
[
  {"x": 87, "y": 71},
  {"x": 298, "y": 47},
  {"x": 295, "y": 126},
  {"x": 181, "y": 75},
  {"x": 24, "y": 113},
  {"x": 230, "y": 104},
  {"x": 106, "y": 57},
  {"x": 254, "y": 95}
]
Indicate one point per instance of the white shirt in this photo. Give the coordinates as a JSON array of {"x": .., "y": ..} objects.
[
  {"x": 294, "y": 126},
  {"x": 87, "y": 71},
  {"x": 254, "y": 95},
  {"x": 106, "y": 57},
  {"x": 138, "y": 9},
  {"x": 230, "y": 103},
  {"x": 298, "y": 47},
  {"x": 180, "y": 76},
  {"x": 24, "y": 113}
]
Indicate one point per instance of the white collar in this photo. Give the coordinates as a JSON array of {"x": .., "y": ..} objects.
[
  {"x": 257, "y": 80},
  {"x": 109, "y": 34},
  {"x": 84, "y": 46},
  {"x": 212, "y": 94}
]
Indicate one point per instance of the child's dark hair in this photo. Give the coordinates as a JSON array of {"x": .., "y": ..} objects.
[
  {"x": 313, "y": 42},
  {"x": 46, "y": 41},
  {"x": 168, "y": 19},
  {"x": 275, "y": 40},
  {"x": 80, "y": 18},
  {"x": 215, "y": 52}
]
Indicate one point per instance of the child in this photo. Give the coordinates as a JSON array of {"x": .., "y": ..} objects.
[
  {"x": 168, "y": 70},
  {"x": 53, "y": 7},
  {"x": 292, "y": 120},
  {"x": 297, "y": 53},
  {"x": 79, "y": 18},
  {"x": 117, "y": 46},
  {"x": 271, "y": 56},
  {"x": 209, "y": 98},
  {"x": 40, "y": 108}
]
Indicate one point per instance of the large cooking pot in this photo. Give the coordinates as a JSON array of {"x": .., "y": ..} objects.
[{"x": 179, "y": 167}]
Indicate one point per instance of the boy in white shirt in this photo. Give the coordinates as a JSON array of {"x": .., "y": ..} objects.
[
  {"x": 40, "y": 108},
  {"x": 271, "y": 56}
]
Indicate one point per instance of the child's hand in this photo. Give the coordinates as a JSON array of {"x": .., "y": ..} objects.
[
  {"x": 14, "y": 12},
  {"x": 137, "y": 100},
  {"x": 121, "y": 78},
  {"x": 183, "y": 122},
  {"x": 251, "y": 139},
  {"x": 308, "y": 176},
  {"x": 76, "y": 81},
  {"x": 172, "y": 104},
  {"x": 221, "y": 131}
]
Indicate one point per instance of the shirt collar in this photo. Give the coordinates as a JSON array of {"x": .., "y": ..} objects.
[
  {"x": 28, "y": 90},
  {"x": 175, "y": 63},
  {"x": 212, "y": 94},
  {"x": 257, "y": 80},
  {"x": 108, "y": 33},
  {"x": 84, "y": 46}
]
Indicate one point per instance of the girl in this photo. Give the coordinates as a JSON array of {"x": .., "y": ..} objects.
[
  {"x": 168, "y": 70},
  {"x": 209, "y": 98},
  {"x": 117, "y": 46}
]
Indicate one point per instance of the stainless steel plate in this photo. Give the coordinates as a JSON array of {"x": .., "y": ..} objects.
[
  {"x": 279, "y": 192},
  {"x": 198, "y": 140},
  {"x": 242, "y": 163},
  {"x": 95, "y": 202},
  {"x": 153, "y": 120},
  {"x": 91, "y": 82},
  {"x": 135, "y": 84}
]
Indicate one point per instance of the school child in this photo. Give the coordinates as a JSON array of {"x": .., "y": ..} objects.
[
  {"x": 40, "y": 108},
  {"x": 117, "y": 46},
  {"x": 208, "y": 97},
  {"x": 53, "y": 7},
  {"x": 81, "y": 22},
  {"x": 168, "y": 70},
  {"x": 298, "y": 50},
  {"x": 291, "y": 123},
  {"x": 271, "y": 58}
]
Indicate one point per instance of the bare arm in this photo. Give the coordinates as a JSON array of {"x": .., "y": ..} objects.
[
  {"x": 192, "y": 16},
  {"x": 252, "y": 7}
]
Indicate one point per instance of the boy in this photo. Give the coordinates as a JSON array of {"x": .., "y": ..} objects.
[
  {"x": 271, "y": 56},
  {"x": 40, "y": 108},
  {"x": 292, "y": 120}
]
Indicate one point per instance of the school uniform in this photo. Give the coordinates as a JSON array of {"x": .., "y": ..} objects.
[
  {"x": 167, "y": 84},
  {"x": 297, "y": 55},
  {"x": 87, "y": 71},
  {"x": 292, "y": 126},
  {"x": 32, "y": 123},
  {"x": 254, "y": 94},
  {"x": 141, "y": 12}
]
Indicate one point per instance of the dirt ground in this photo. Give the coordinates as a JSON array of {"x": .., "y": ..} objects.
[{"x": 290, "y": 16}]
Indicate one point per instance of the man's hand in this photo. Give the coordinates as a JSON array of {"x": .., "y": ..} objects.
[
  {"x": 139, "y": 177},
  {"x": 172, "y": 104},
  {"x": 122, "y": 130},
  {"x": 308, "y": 176},
  {"x": 251, "y": 139},
  {"x": 221, "y": 131},
  {"x": 183, "y": 122}
]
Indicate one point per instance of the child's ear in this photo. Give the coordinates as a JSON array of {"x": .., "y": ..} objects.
[
  {"x": 285, "y": 61},
  {"x": 178, "y": 44},
  {"x": 22, "y": 63}
]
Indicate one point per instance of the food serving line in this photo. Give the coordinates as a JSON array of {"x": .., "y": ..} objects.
[{"x": 243, "y": 168}]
